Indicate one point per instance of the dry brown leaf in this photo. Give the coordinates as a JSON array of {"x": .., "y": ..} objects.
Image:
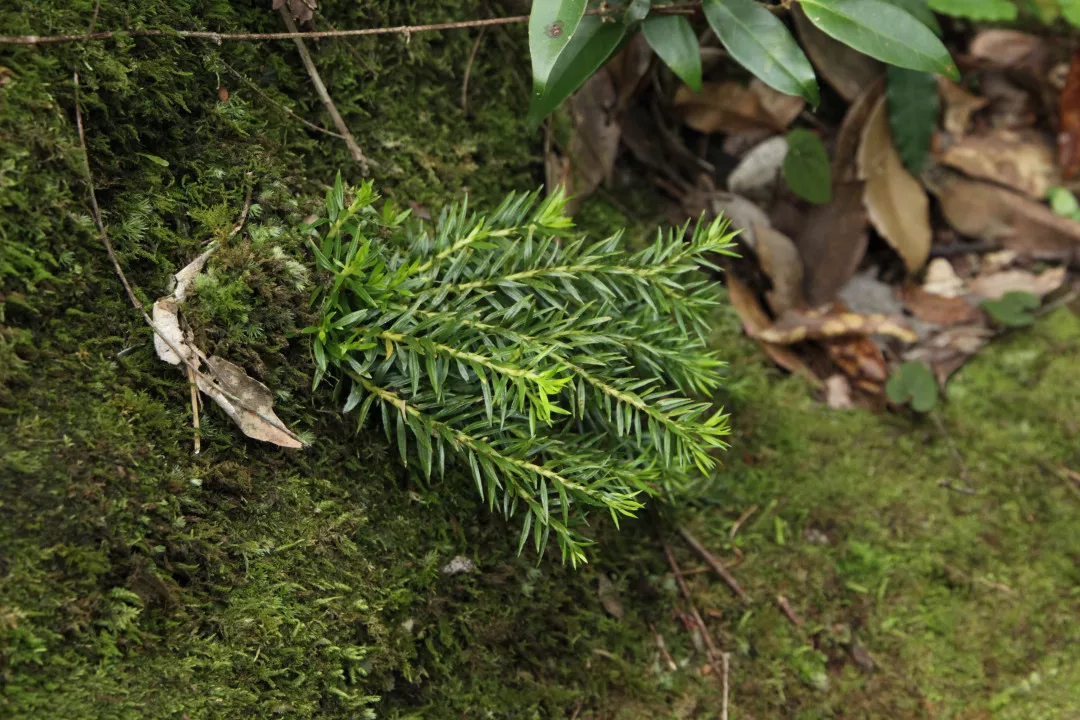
[
  {"x": 845, "y": 168},
  {"x": 759, "y": 171},
  {"x": 993, "y": 214},
  {"x": 895, "y": 201},
  {"x": 1069, "y": 120},
  {"x": 838, "y": 393},
  {"x": 960, "y": 105},
  {"x": 595, "y": 140},
  {"x": 1004, "y": 48},
  {"x": 937, "y": 309},
  {"x": 755, "y": 319},
  {"x": 994, "y": 285},
  {"x": 846, "y": 70},
  {"x": 833, "y": 243},
  {"x": 782, "y": 107},
  {"x": 780, "y": 260},
  {"x": 166, "y": 313},
  {"x": 725, "y": 107},
  {"x": 609, "y": 597},
  {"x": 254, "y": 413},
  {"x": 861, "y": 360},
  {"x": 949, "y": 349},
  {"x": 1021, "y": 160},
  {"x": 798, "y": 325}
]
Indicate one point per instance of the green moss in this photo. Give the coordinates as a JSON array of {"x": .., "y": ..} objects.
[{"x": 139, "y": 580}]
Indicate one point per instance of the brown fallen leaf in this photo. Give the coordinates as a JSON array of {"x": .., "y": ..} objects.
[
  {"x": 960, "y": 105},
  {"x": 609, "y": 597},
  {"x": 1004, "y": 48},
  {"x": 755, "y": 319},
  {"x": 1010, "y": 106},
  {"x": 781, "y": 262},
  {"x": 783, "y": 108},
  {"x": 833, "y": 242},
  {"x": 937, "y": 309},
  {"x": 251, "y": 406},
  {"x": 725, "y": 107},
  {"x": 1022, "y": 160},
  {"x": 595, "y": 140},
  {"x": 994, "y": 285},
  {"x": 996, "y": 215},
  {"x": 945, "y": 352},
  {"x": 1069, "y": 121},
  {"x": 861, "y": 360},
  {"x": 895, "y": 201},
  {"x": 798, "y": 325},
  {"x": 845, "y": 167},
  {"x": 846, "y": 70}
]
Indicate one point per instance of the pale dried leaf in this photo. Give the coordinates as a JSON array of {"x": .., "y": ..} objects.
[
  {"x": 849, "y": 136},
  {"x": 1004, "y": 48},
  {"x": 895, "y": 201},
  {"x": 609, "y": 597},
  {"x": 725, "y": 107},
  {"x": 833, "y": 242},
  {"x": 1000, "y": 260},
  {"x": 254, "y": 412},
  {"x": 781, "y": 262},
  {"x": 186, "y": 276},
  {"x": 960, "y": 105},
  {"x": 994, "y": 214},
  {"x": 994, "y": 285},
  {"x": 758, "y": 172},
  {"x": 848, "y": 71},
  {"x": 949, "y": 349},
  {"x": 797, "y": 325},
  {"x": 458, "y": 565},
  {"x": 838, "y": 393},
  {"x": 941, "y": 279},
  {"x": 165, "y": 315},
  {"x": 1022, "y": 160}
]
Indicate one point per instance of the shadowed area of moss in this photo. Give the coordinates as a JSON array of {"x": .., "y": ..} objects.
[{"x": 139, "y": 580}]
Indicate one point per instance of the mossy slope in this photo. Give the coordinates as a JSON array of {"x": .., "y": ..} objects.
[{"x": 138, "y": 580}]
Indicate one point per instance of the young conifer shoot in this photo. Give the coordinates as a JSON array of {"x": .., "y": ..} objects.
[{"x": 559, "y": 372}]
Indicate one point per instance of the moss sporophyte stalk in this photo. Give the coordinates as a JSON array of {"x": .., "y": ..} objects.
[{"x": 560, "y": 371}]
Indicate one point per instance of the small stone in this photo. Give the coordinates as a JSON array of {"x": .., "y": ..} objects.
[{"x": 458, "y": 565}]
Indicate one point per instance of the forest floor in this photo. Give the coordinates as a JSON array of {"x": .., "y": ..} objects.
[{"x": 929, "y": 565}]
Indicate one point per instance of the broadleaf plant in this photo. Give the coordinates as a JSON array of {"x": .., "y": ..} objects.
[
  {"x": 569, "y": 40},
  {"x": 560, "y": 373}
]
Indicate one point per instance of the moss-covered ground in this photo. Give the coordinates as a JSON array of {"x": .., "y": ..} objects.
[{"x": 138, "y": 580}]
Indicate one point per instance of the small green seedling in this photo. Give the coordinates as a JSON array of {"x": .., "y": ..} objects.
[
  {"x": 913, "y": 383},
  {"x": 1064, "y": 203},
  {"x": 1013, "y": 309}
]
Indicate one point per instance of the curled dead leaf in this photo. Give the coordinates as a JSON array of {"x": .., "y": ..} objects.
[
  {"x": 1021, "y": 160},
  {"x": 247, "y": 401},
  {"x": 939, "y": 310},
  {"x": 725, "y": 107},
  {"x": 895, "y": 201},
  {"x": 833, "y": 242},
  {"x": 796, "y": 326},
  {"x": 1004, "y": 48},
  {"x": 783, "y": 108},
  {"x": 960, "y": 105},
  {"x": 994, "y": 285},
  {"x": 996, "y": 215},
  {"x": 781, "y": 262}
]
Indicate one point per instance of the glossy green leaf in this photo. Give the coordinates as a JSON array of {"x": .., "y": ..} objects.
[
  {"x": 552, "y": 25},
  {"x": 913, "y": 383},
  {"x": 637, "y": 10},
  {"x": 882, "y": 31},
  {"x": 762, "y": 44},
  {"x": 913, "y": 105},
  {"x": 990, "y": 10},
  {"x": 591, "y": 46},
  {"x": 806, "y": 167},
  {"x": 674, "y": 41},
  {"x": 920, "y": 11}
]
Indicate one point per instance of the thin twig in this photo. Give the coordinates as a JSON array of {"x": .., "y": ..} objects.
[
  {"x": 93, "y": 20},
  {"x": 279, "y": 106},
  {"x": 663, "y": 649},
  {"x": 714, "y": 564},
  {"x": 468, "y": 71},
  {"x": 675, "y": 9},
  {"x": 726, "y": 657},
  {"x": 788, "y": 611},
  {"x": 713, "y": 653},
  {"x": 239, "y": 224},
  {"x": 194, "y": 408},
  {"x": 131, "y": 294},
  {"x": 320, "y": 88},
  {"x": 956, "y": 488}
]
